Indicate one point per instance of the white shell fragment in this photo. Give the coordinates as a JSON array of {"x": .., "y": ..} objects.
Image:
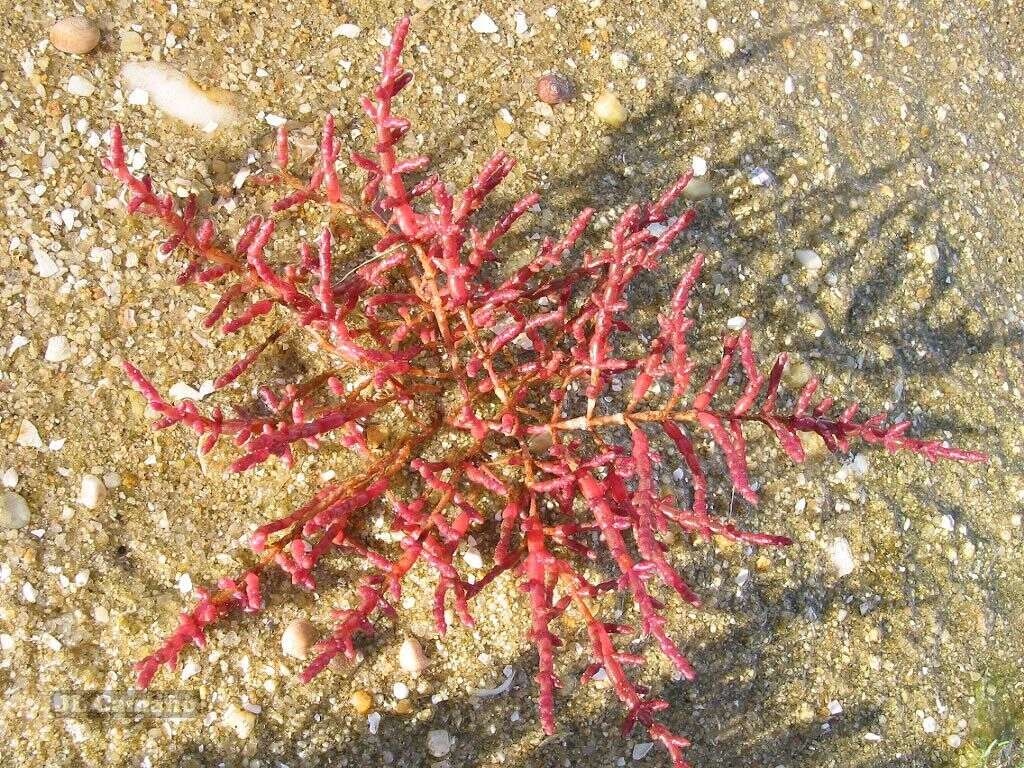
[
  {"x": 57, "y": 350},
  {"x": 842, "y": 557},
  {"x": 411, "y": 657},
  {"x": 28, "y": 435},
  {"x": 79, "y": 86},
  {"x": 178, "y": 96},
  {"x": 92, "y": 492},
  {"x": 484, "y": 25}
]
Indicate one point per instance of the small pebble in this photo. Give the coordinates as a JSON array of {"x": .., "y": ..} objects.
[
  {"x": 403, "y": 707},
  {"x": 930, "y": 253},
  {"x": 609, "y": 110},
  {"x": 298, "y": 638},
  {"x": 439, "y": 743},
  {"x": 728, "y": 46},
  {"x": 736, "y": 323},
  {"x": 240, "y": 720},
  {"x": 14, "y": 513},
  {"x": 79, "y": 86},
  {"x": 351, "y": 31},
  {"x": 10, "y": 478},
  {"x": 411, "y": 657},
  {"x": 699, "y": 165},
  {"x": 929, "y": 724},
  {"x": 842, "y": 557},
  {"x": 361, "y": 701},
  {"x": 808, "y": 259},
  {"x": 484, "y": 25},
  {"x": 641, "y": 750},
  {"x": 74, "y": 34},
  {"x": 555, "y": 89},
  {"x": 400, "y": 691},
  {"x": 92, "y": 492},
  {"x": 619, "y": 60},
  {"x": 57, "y": 350}
]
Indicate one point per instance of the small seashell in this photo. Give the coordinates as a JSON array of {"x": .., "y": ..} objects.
[
  {"x": 175, "y": 94},
  {"x": 74, "y": 34},
  {"x": 298, "y": 638},
  {"x": 411, "y": 657},
  {"x": 555, "y": 89},
  {"x": 609, "y": 110},
  {"x": 58, "y": 350}
]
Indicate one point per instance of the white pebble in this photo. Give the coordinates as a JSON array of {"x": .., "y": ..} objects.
[
  {"x": 835, "y": 708},
  {"x": 484, "y": 25},
  {"x": 28, "y": 435},
  {"x": 351, "y": 31},
  {"x": 930, "y": 253},
  {"x": 929, "y": 724},
  {"x": 92, "y": 492},
  {"x": 842, "y": 556},
  {"x": 58, "y": 349},
  {"x": 736, "y": 323},
  {"x": 298, "y": 638},
  {"x": 609, "y": 110},
  {"x": 808, "y": 259},
  {"x": 473, "y": 558},
  {"x": 728, "y": 46},
  {"x": 400, "y": 691},
  {"x": 411, "y": 657},
  {"x": 239, "y": 720},
  {"x": 10, "y": 478},
  {"x": 79, "y": 86},
  {"x": 178, "y": 96},
  {"x": 619, "y": 59},
  {"x": 14, "y": 513},
  {"x": 439, "y": 743},
  {"x": 699, "y": 165},
  {"x": 788, "y": 86},
  {"x": 373, "y": 721},
  {"x": 712, "y": 25}
]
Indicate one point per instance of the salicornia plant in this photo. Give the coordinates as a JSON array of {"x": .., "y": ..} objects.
[{"x": 504, "y": 394}]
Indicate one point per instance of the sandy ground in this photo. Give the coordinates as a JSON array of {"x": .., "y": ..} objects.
[{"x": 864, "y": 131}]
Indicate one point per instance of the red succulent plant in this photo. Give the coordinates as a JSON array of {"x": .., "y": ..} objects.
[{"x": 513, "y": 401}]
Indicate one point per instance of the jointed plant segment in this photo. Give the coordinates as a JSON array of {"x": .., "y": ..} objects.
[{"x": 513, "y": 401}]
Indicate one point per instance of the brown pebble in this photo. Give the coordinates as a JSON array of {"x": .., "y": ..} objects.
[
  {"x": 555, "y": 89},
  {"x": 74, "y": 34},
  {"x": 403, "y": 707},
  {"x": 361, "y": 701}
]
